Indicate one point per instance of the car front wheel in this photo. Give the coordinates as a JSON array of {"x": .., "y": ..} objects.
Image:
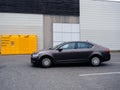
[
  {"x": 95, "y": 61},
  {"x": 46, "y": 62}
]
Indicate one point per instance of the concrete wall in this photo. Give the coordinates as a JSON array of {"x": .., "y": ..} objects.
[
  {"x": 100, "y": 22},
  {"x": 12, "y": 23},
  {"x": 48, "y": 26}
]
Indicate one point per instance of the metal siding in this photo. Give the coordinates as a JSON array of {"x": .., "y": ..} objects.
[
  {"x": 100, "y": 22},
  {"x": 11, "y": 23}
]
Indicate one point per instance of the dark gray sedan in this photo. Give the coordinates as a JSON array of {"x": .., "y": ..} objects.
[{"x": 72, "y": 52}]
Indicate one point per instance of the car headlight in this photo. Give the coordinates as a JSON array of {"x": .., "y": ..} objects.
[{"x": 35, "y": 55}]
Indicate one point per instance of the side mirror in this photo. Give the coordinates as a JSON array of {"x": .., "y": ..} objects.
[{"x": 59, "y": 49}]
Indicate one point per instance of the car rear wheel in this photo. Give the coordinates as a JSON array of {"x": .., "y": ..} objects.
[
  {"x": 46, "y": 62},
  {"x": 95, "y": 61}
]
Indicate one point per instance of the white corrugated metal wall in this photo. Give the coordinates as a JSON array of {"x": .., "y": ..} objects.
[
  {"x": 100, "y": 22},
  {"x": 12, "y": 23}
]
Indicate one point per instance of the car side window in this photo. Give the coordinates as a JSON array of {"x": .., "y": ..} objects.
[
  {"x": 81, "y": 45},
  {"x": 68, "y": 46}
]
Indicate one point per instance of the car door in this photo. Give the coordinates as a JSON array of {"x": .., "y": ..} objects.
[
  {"x": 65, "y": 52},
  {"x": 83, "y": 51}
]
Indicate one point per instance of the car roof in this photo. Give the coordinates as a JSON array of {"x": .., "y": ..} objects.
[
  {"x": 82, "y": 42},
  {"x": 78, "y": 41}
]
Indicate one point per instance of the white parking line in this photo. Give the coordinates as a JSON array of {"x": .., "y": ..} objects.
[
  {"x": 115, "y": 62},
  {"x": 97, "y": 74}
]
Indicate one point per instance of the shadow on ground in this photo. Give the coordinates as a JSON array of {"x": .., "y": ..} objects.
[{"x": 72, "y": 65}]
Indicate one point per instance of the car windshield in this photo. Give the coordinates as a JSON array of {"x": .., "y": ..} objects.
[{"x": 55, "y": 47}]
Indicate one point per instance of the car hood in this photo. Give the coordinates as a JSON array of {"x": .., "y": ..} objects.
[{"x": 45, "y": 51}]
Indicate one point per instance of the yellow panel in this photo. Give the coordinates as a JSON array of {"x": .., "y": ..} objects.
[
  {"x": 33, "y": 43},
  {"x": 18, "y": 44},
  {"x": 26, "y": 41},
  {"x": 14, "y": 44},
  {"x": 5, "y": 44},
  {"x": 21, "y": 44},
  {"x": 0, "y": 44}
]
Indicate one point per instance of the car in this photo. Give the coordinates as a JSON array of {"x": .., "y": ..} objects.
[{"x": 72, "y": 52}]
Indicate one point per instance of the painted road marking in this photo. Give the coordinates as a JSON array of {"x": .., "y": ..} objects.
[
  {"x": 115, "y": 62},
  {"x": 97, "y": 74}
]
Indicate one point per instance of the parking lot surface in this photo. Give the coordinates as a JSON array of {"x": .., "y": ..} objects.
[{"x": 17, "y": 73}]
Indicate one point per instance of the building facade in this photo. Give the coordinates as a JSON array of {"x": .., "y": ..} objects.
[
  {"x": 56, "y": 21},
  {"x": 38, "y": 17}
]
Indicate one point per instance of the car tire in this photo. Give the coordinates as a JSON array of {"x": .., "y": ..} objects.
[
  {"x": 46, "y": 62},
  {"x": 95, "y": 61}
]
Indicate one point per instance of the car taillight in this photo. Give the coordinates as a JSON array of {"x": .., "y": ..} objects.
[{"x": 108, "y": 50}]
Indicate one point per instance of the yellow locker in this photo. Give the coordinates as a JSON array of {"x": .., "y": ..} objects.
[
  {"x": 0, "y": 44},
  {"x": 32, "y": 43},
  {"x": 18, "y": 44},
  {"x": 5, "y": 44}
]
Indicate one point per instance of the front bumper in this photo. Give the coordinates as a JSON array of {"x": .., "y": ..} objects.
[{"x": 34, "y": 60}]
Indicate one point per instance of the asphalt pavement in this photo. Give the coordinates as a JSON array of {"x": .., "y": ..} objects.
[{"x": 17, "y": 73}]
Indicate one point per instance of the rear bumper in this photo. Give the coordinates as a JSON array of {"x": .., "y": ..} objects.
[{"x": 106, "y": 57}]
